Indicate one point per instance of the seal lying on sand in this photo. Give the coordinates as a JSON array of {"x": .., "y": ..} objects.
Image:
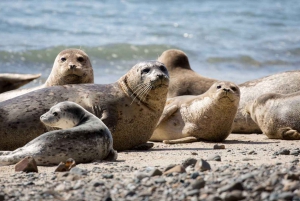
[
  {"x": 208, "y": 116},
  {"x": 277, "y": 115},
  {"x": 11, "y": 81},
  {"x": 85, "y": 138},
  {"x": 283, "y": 83},
  {"x": 130, "y": 107},
  {"x": 71, "y": 66},
  {"x": 183, "y": 80}
]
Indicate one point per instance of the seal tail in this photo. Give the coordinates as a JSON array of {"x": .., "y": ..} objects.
[
  {"x": 289, "y": 134},
  {"x": 9, "y": 160}
]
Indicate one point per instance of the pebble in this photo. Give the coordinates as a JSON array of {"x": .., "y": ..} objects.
[
  {"x": 198, "y": 183},
  {"x": 232, "y": 186},
  {"x": 202, "y": 165},
  {"x": 214, "y": 157},
  {"x": 177, "y": 168},
  {"x": 78, "y": 171},
  {"x": 217, "y": 146},
  {"x": 189, "y": 162},
  {"x": 284, "y": 152},
  {"x": 27, "y": 164}
]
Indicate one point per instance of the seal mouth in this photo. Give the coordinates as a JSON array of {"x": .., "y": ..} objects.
[{"x": 225, "y": 96}]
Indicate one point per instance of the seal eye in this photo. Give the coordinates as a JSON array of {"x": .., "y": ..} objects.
[
  {"x": 55, "y": 114},
  {"x": 63, "y": 59},
  {"x": 80, "y": 59},
  {"x": 163, "y": 69},
  {"x": 219, "y": 87},
  {"x": 146, "y": 70},
  {"x": 233, "y": 88}
]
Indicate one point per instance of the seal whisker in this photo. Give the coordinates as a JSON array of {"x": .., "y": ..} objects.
[
  {"x": 148, "y": 88},
  {"x": 139, "y": 92}
]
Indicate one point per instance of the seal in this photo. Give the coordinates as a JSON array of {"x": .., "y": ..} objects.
[
  {"x": 282, "y": 83},
  {"x": 178, "y": 65},
  {"x": 84, "y": 138},
  {"x": 71, "y": 66},
  {"x": 208, "y": 116},
  {"x": 11, "y": 81},
  {"x": 130, "y": 107},
  {"x": 277, "y": 115}
]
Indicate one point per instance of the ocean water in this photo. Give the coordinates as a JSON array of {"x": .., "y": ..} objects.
[{"x": 231, "y": 40}]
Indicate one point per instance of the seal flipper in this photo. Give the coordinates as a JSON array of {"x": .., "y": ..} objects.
[
  {"x": 112, "y": 155},
  {"x": 181, "y": 140},
  {"x": 168, "y": 111},
  {"x": 289, "y": 134}
]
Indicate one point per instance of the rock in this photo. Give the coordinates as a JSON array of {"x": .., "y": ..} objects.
[
  {"x": 189, "y": 162},
  {"x": 252, "y": 152},
  {"x": 214, "y": 157},
  {"x": 107, "y": 176},
  {"x": 232, "y": 196},
  {"x": 78, "y": 171},
  {"x": 194, "y": 175},
  {"x": 141, "y": 175},
  {"x": 27, "y": 164},
  {"x": 160, "y": 180},
  {"x": 169, "y": 167},
  {"x": 291, "y": 186},
  {"x": 198, "y": 183},
  {"x": 97, "y": 170},
  {"x": 231, "y": 187},
  {"x": 294, "y": 152},
  {"x": 292, "y": 176},
  {"x": 284, "y": 152},
  {"x": 177, "y": 168},
  {"x": 217, "y": 146},
  {"x": 60, "y": 187},
  {"x": 79, "y": 184},
  {"x": 202, "y": 165},
  {"x": 155, "y": 172},
  {"x": 285, "y": 196},
  {"x": 67, "y": 166},
  {"x": 193, "y": 192}
]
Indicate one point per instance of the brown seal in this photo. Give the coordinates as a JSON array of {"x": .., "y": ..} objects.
[
  {"x": 283, "y": 83},
  {"x": 71, "y": 66},
  {"x": 84, "y": 138},
  {"x": 208, "y": 116},
  {"x": 130, "y": 107},
  {"x": 183, "y": 80},
  {"x": 277, "y": 115},
  {"x": 11, "y": 81}
]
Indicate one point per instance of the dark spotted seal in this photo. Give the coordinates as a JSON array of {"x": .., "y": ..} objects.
[
  {"x": 191, "y": 118},
  {"x": 11, "y": 81},
  {"x": 71, "y": 66},
  {"x": 130, "y": 107},
  {"x": 85, "y": 138}
]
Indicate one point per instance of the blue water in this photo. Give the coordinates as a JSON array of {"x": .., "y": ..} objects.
[{"x": 232, "y": 40}]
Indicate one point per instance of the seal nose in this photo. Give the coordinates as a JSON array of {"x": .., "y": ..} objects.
[
  {"x": 161, "y": 76},
  {"x": 72, "y": 66},
  {"x": 227, "y": 90}
]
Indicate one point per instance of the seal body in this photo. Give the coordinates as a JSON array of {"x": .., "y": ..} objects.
[
  {"x": 11, "y": 81},
  {"x": 283, "y": 83},
  {"x": 85, "y": 138},
  {"x": 71, "y": 66},
  {"x": 183, "y": 80},
  {"x": 208, "y": 116},
  {"x": 130, "y": 108},
  {"x": 277, "y": 115}
]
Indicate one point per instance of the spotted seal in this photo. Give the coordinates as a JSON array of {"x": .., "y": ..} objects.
[
  {"x": 11, "y": 81},
  {"x": 208, "y": 116},
  {"x": 84, "y": 138},
  {"x": 277, "y": 115},
  {"x": 183, "y": 80},
  {"x": 130, "y": 107},
  {"x": 71, "y": 66}
]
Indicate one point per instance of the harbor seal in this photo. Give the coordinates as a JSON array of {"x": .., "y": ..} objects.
[
  {"x": 84, "y": 138},
  {"x": 183, "y": 80},
  {"x": 277, "y": 115},
  {"x": 208, "y": 116},
  {"x": 130, "y": 107},
  {"x": 71, "y": 66},
  {"x": 283, "y": 83},
  {"x": 11, "y": 81}
]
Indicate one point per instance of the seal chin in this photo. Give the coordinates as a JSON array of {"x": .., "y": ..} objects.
[{"x": 161, "y": 81}]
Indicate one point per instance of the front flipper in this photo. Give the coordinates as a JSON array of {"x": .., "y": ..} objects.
[
  {"x": 168, "y": 111},
  {"x": 181, "y": 140},
  {"x": 289, "y": 134},
  {"x": 144, "y": 146}
]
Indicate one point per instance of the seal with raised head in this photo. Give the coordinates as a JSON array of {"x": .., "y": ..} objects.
[
  {"x": 208, "y": 116},
  {"x": 71, "y": 66},
  {"x": 11, "y": 81},
  {"x": 183, "y": 80},
  {"x": 277, "y": 115},
  {"x": 130, "y": 107},
  {"x": 283, "y": 83},
  {"x": 84, "y": 138}
]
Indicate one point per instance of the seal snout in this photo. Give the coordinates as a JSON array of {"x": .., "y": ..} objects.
[{"x": 72, "y": 66}]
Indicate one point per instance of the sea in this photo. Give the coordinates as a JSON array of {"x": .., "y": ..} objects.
[{"x": 233, "y": 40}]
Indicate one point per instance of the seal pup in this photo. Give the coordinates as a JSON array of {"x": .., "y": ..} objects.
[
  {"x": 208, "y": 116},
  {"x": 11, "y": 81},
  {"x": 130, "y": 107},
  {"x": 84, "y": 138},
  {"x": 277, "y": 115},
  {"x": 282, "y": 83},
  {"x": 71, "y": 66},
  {"x": 183, "y": 80}
]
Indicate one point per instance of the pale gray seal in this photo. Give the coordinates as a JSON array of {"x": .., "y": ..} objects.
[
  {"x": 283, "y": 83},
  {"x": 71, "y": 66},
  {"x": 11, "y": 81},
  {"x": 208, "y": 116},
  {"x": 277, "y": 115},
  {"x": 85, "y": 138},
  {"x": 183, "y": 80},
  {"x": 130, "y": 107}
]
